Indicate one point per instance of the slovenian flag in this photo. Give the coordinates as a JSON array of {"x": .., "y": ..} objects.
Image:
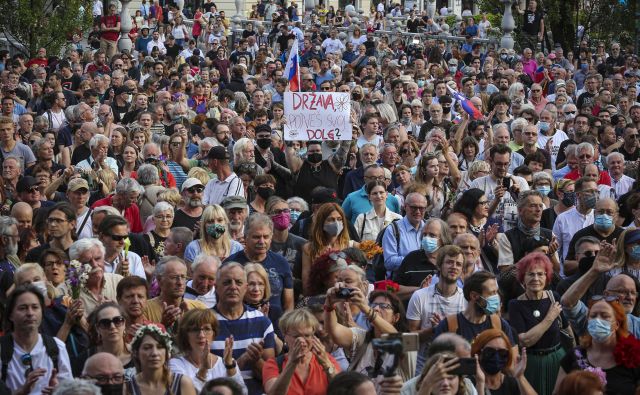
[
  {"x": 466, "y": 104},
  {"x": 291, "y": 71}
]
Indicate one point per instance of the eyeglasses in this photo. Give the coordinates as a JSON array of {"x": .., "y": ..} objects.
[
  {"x": 56, "y": 221},
  {"x": 417, "y": 208},
  {"x": 118, "y": 237},
  {"x": 372, "y": 178},
  {"x": 53, "y": 263},
  {"x": 105, "y": 323},
  {"x": 197, "y": 331},
  {"x": 196, "y": 189},
  {"x": 337, "y": 255},
  {"x": 385, "y": 306},
  {"x": 163, "y": 217},
  {"x": 283, "y": 211},
  {"x": 105, "y": 379},
  {"x": 484, "y": 203},
  {"x": 177, "y": 277}
]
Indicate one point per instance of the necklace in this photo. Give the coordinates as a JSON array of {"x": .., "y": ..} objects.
[{"x": 536, "y": 312}]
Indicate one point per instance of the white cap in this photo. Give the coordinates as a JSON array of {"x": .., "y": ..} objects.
[{"x": 190, "y": 182}]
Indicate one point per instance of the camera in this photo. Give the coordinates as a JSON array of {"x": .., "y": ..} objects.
[
  {"x": 344, "y": 293},
  {"x": 396, "y": 344}
]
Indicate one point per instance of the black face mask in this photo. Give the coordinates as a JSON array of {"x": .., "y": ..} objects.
[
  {"x": 112, "y": 389},
  {"x": 264, "y": 143},
  {"x": 265, "y": 193},
  {"x": 315, "y": 157},
  {"x": 446, "y": 110},
  {"x": 586, "y": 263}
]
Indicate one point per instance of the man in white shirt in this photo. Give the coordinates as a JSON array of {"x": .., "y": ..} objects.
[
  {"x": 202, "y": 287},
  {"x": 113, "y": 231},
  {"x": 429, "y": 305},
  {"x": 550, "y": 138},
  {"x": 620, "y": 183},
  {"x": 34, "y": 355},
  {"x": 506, "y": 212},
  {"x": 155, "y": 42},
  {"x": 332, "y": 44},
  {"x": 576, "y": 218},
  {"x": 227, "y": 183},
  {"x": 370, "y": 124},
  {"x": 99, "y": 145}
]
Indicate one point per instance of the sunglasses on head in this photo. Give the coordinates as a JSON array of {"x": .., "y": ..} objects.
[
  {"x": 606, "y": 298},
  {"x": 105, "y": 323},
  {"x": 337, "y": 255}
]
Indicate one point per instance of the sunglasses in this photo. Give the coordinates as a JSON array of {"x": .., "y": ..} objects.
[
  {"x": 27, "y": 361},
  {"x": 490, "y": 352},
  {"x": 337, "y": 255},
  {"x": 118, "y": 237},
  {"x": 105, "y": 323},
  {"x": 196, "y": 189},
  {"x": 606, "y": 298}
]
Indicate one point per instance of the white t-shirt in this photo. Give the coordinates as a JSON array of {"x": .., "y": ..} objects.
[
  {"x": 87, "y": 229},
  {"x": 40, "y": 359},
  {"x": 557, "y": 139},
  {"x": 183, "y": 366},
  {"x": 331, "y": 45},
  {"x": 208, "y": 299},
  {"x": 507, "y": 211}
]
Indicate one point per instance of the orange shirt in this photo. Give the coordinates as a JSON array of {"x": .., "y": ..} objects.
[{"x": 316, "y": 383}]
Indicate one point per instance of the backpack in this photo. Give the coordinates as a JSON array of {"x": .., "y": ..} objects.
[
  {"x": 452, "y": 322},
  {"x": 6, "y": 352},
  {"x": 380, "y": 271}
]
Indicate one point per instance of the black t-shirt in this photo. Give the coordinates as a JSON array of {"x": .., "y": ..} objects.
[
  {"x": 629, "y": 156},
  {"x": 548, "y": 218},
  {"x": 182, "y": 219},
  {"x": 563, "y": 146},
  {"x": 620, "y": 380},
  {"x": 72, "y": 83},
  {"x": 412, "y": 25},
  {"x": 173, "y": 50},
  {"x": 547, "y": 162},
  {"x": 119, "y": 111},
  {"x": 586, "y": 98},
  {"x": 531, "y": 23},
  {"x": 291, "y": 250},
  {"x": 590, "y": 231},
  {"x": 415, "y": 267}
]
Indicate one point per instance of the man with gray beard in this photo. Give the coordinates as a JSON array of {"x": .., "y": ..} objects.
[{"x": 188, "y": 215}]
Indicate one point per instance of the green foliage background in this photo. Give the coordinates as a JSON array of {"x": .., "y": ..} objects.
[{"x": 44, "y": 23}]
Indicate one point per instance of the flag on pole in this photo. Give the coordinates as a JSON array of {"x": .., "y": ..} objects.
[
  {"x": 466, "y": 104},
  {"x": 291, "y": 70}
]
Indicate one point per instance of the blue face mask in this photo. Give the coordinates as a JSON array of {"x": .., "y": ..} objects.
[
  {"x": 294, "y": 215},
  {"x": 420, "y": 83},
  {"x": 635, "y": 252},
  {"x": 493, "y": 304},
  {"x": 600, "y": 330},
  {"x": 544, "y": 190},
  {"x": 302, "y": 153},
  {"x": 429, "y": 244},
  {"x": 603, "y": 221},
  {"x": 543, "y": 126}
]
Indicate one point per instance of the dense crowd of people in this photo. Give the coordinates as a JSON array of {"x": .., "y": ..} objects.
[{"x": 479, "y": 234}]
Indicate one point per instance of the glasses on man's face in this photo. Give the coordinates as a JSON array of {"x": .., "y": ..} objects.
[
  {"x": 53, "y": 263},
  {"x": 177, "y": 277},
  {"x": 196, "y": 189},
  {"x": 105, "y": 323},
  {"x": 417, "y": 208},
  {"x": 118, "y": 237},
  {"x": 55, "y": 221},
  {"x": 103, "y": 379},
  {"x": 205, "y": 331},
  {"x": 606, "y": 298}
]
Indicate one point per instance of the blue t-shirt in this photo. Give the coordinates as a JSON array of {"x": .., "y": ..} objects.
[
  {"x": 280, "y": 278},
  {"x": 472, "y": 30},
  {"x": 251, "y": 327}
]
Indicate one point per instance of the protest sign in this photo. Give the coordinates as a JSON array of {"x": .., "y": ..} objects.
[{"x": 317, "y": 116}]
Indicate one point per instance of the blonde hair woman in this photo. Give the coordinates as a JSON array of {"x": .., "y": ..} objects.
[{"x": 214, "y": 236}]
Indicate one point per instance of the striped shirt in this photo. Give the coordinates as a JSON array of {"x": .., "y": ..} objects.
[
  {"x": 217, "y": 190},
  {"x": 251, "y": 327}
]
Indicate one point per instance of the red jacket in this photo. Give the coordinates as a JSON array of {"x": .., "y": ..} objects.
[{"x": 131, "y": 213}]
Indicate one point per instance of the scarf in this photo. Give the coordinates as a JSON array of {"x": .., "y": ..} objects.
[{"x": 529, "y": 232}]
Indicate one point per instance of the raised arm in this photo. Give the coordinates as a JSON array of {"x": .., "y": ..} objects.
[
  {"x": 294, "y": 162},
  {"x": 339, "y": 158},
  {"x": 603, "y": 263}
]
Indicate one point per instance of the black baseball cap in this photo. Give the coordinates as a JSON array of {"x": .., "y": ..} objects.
[{"x": 218, "y": 152}]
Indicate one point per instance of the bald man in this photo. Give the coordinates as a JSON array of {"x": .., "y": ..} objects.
[
  {"x": 107, "y": 370},
  {"x": 603, "y": 228},
  {"x": 23, "y": 213}
]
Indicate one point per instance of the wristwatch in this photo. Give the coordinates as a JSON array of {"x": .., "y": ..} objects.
[
  {"x": 330, "y": 370},
  {"x": 231, "y": 366}
]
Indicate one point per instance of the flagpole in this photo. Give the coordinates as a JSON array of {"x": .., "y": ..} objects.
[{"x": 298, "y": 65}]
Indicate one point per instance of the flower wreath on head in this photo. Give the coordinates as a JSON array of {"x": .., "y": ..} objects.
[{"x": 153, "y": 328}]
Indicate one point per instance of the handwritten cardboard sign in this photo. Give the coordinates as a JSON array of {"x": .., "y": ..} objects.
[{"x": 317, "y": 116}]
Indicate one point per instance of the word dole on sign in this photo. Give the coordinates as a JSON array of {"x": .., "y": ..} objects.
[{"x": 317, "y": 116}]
